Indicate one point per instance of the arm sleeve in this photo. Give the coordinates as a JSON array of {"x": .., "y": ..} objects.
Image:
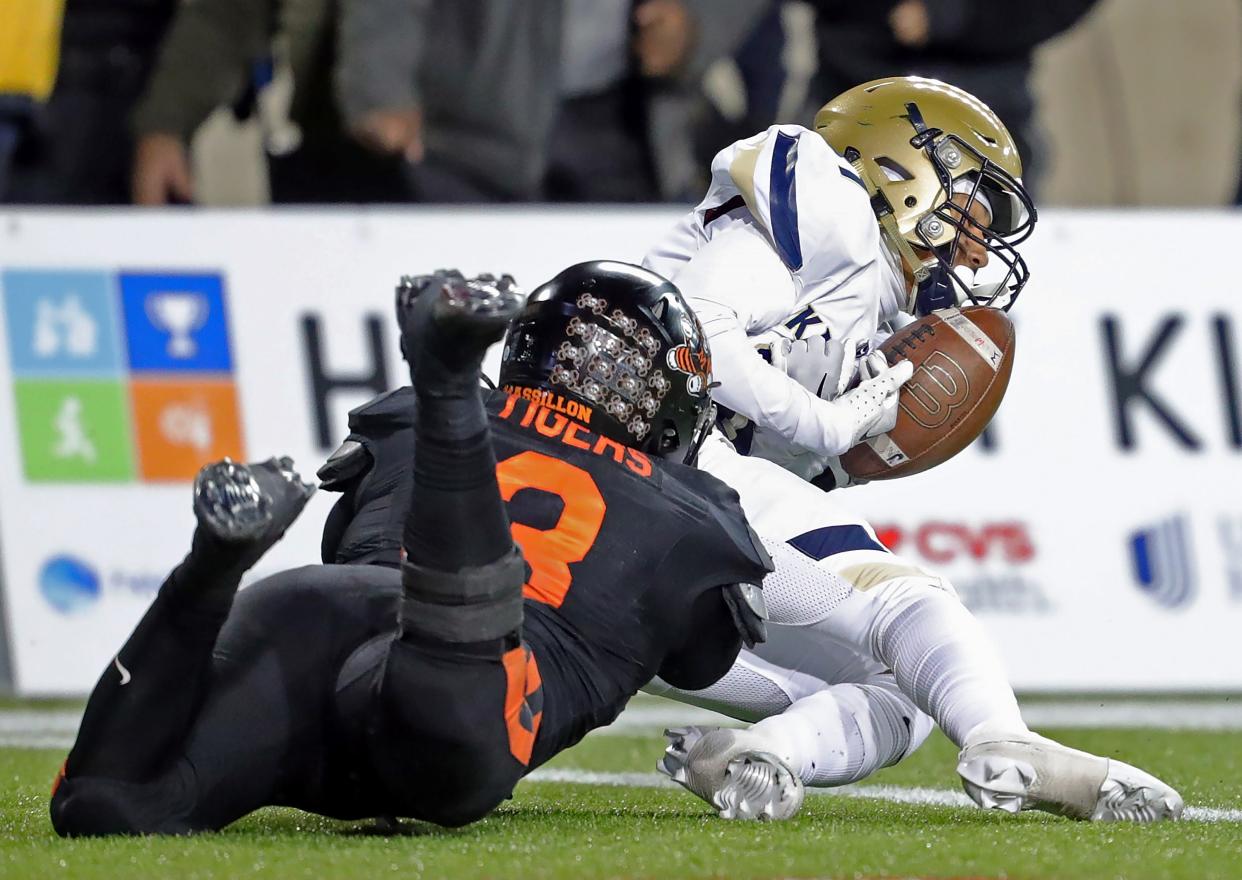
[
  {"x": 751, "y": 386},
  {"x": 380, "y": 48},
  {"x": 204, "y": 62},
  {"x": 736, "y": 284},
  {"x": 986, "y": 28}
]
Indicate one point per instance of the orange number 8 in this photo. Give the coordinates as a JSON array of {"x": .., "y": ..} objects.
[{"x": 549, "y": 552}]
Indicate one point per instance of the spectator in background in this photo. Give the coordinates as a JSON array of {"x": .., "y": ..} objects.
[
  {"x": 752, "y": 100},
  {"x": 217, "y": 53},
  {"x": 70, "y": 144},
  {"x": 28, "y": 54},
  {"x": 982, "y": 46},
  {"x": 558, "y": 100}
]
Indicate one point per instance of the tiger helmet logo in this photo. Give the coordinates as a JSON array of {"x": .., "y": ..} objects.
[{"x": 697, "y": 365}]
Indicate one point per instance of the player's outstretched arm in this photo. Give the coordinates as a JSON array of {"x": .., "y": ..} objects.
[
  {"x": 737, "y": 286},
  {"x": 772, "y": 399}
]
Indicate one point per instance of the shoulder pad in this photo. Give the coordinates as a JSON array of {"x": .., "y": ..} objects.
[
  {"x": 350, "y": 460},
  {"x": 738, "y": 552},
  {"x": 761, "y": 553}
]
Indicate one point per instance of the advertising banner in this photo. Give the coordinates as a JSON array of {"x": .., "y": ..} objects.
[{"x": 1097, "y": 528}]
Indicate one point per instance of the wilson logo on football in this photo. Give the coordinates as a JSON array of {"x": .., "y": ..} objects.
[
  {"x": 696, "y": 364},
  {"x": 938, "y": 387}
]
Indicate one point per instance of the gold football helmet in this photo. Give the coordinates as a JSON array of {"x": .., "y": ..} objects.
[{"x": 916, "y": 143}]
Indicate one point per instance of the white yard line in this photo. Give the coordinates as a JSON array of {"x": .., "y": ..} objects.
[
  {"x": 20, "y": 720},
  {"x": 898, "y": 794},
  {"x": 55, "y": 729},
  {"x": 1219, "y": 714},
  {"x": 1222, "y": 714},
  {"x": 38, "y": 728}
]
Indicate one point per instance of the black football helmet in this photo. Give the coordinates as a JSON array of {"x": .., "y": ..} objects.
[{"x": 620, "y": 342}]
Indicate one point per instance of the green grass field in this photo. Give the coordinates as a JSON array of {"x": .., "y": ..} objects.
[{"x": 630, "y": 827}]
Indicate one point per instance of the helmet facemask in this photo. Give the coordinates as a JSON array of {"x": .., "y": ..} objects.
[{"x": 964, "y": 172}]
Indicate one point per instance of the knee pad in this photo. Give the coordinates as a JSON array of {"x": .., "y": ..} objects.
[
  {"x": 474, "y": 604},
  {"x": 845, "y": 732},
  {"x": 873, "y": 726}
]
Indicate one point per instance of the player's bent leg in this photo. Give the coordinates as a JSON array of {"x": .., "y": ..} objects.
[
  {"x": 846, "y": 732},
  {"x": 945, "y": 661},
  {"x": 822, "y": 734},
  {"x": 834, "y": 736},
  {"x": 813, "y": 733},
  {"x": 117, "y": 778},
  {"x": 448, "y": 703}
]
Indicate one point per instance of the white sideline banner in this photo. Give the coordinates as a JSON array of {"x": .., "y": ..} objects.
[{"x": 1098, "y": 535}]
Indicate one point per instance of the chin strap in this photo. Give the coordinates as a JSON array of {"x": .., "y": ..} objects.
[
  {"x": 905, "y": 253},
  {"x": 892, "y": 235}
]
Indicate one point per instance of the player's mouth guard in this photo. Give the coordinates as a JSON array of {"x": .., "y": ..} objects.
[
  {"x": 936, "y": 291},
  {"x": 947, "y": 289}
]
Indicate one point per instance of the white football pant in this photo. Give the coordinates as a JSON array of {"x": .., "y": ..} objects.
[{"x": 863, "y": 646}]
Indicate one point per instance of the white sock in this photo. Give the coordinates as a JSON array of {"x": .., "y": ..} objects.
[{"x": 943, "y": 659}]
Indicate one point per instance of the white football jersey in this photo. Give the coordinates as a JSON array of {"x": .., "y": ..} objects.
[{"x": 784, "y": 244}]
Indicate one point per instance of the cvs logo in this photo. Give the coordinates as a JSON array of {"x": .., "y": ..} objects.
[{"x": 943, "y": 542}]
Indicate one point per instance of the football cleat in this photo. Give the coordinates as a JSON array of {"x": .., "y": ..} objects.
[
  {"x": 251, "y": 505},
  {"x": 733, "y": 771},
  {"x": 455, "y": 319},
  {"x": 1035, "y": 773}
]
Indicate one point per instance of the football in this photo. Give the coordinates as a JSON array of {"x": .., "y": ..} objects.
[{"x": 962, "y": 361}]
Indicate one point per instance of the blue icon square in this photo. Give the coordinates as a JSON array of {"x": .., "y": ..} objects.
[
  {"x": 176, "y": 323},
  {"x": 61, "y": 323}
]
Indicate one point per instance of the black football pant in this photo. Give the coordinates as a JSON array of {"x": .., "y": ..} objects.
[
  {"x": 309, "y": 698},
  {"x": 342, "y": 690}
]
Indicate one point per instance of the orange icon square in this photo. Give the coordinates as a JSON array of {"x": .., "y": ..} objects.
[{"x": 180, "y": 426}]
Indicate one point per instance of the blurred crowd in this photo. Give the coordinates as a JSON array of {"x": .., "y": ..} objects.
[{"x": 467, "y": 100}]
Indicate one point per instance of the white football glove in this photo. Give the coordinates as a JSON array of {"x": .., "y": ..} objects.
[
  {"x": 821, "y": 365},
  {"x": 873, "y": 365},
  {"x": 870, "y": 407},
  {"x": 826, "y": 368}
]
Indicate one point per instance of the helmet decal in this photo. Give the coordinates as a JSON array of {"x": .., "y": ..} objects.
[
  {"x": 600, "y": 338},
  {"x": 697, "y": 364},
  {"x": 609, "y": 369}
]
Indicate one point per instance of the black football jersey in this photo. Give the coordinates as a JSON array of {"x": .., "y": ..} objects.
[{"x": 626, "y": 552}]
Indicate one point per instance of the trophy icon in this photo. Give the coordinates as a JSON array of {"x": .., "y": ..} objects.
[{"x": 179, "y": 313}]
